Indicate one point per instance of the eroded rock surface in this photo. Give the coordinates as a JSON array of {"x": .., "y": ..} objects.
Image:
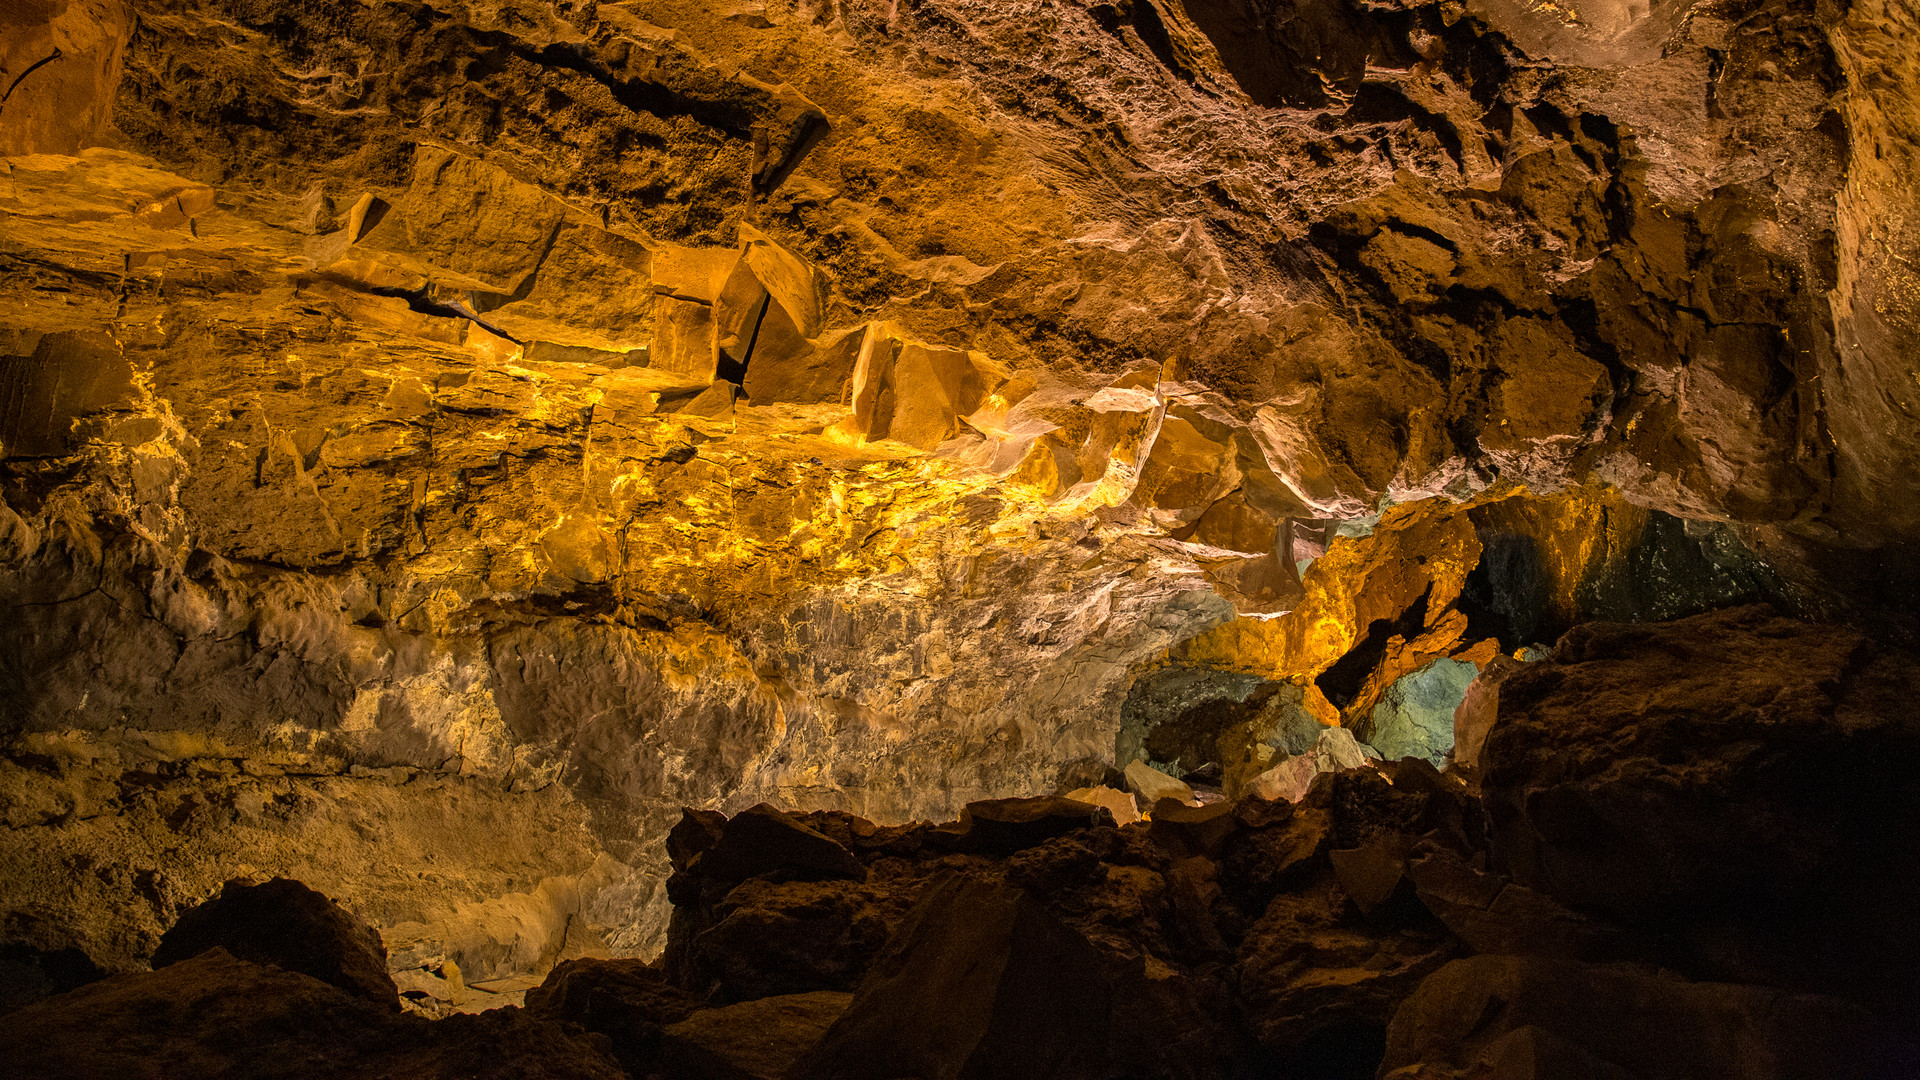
[{"x": 438, "y": 442}]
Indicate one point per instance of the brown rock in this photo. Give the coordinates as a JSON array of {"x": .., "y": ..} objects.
[
  {"x": 628, "y": 1001},
  {"x": 694, "y": 834},
  {"x": 1475, "y": 716},
  {"x": 1201, "y": 830},
  {"x": 765, "y": 938},
  {"x": 285, "y": 924},
  {"x": 1733, "y": 778},
  {"x": 762, "y": 839},
  {"x": 69, "y": 375},
  {"x": 753, "y": 1040},
  {"x": 1121, "y": 804},
  {"x": 1649, "y": 1026},
  {"x": 1493, "y": 915},
  {"x": 1003, "y": 826},
  {"x": 1370, "y": 875},
  {"x": 1307, "y": 968},
  {"x": 218, "y": 1017},
  {"x": 1258, "y": 863},
  {"x": 979, "y": 982}
]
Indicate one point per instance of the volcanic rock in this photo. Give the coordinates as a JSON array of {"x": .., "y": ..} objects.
[
  {"x": 1732, "y": 778},
  {"x": 1621, "y": 1021},
  {"x": 980, "y": 982},
  {"x": 628, "y": 1001},
  {"x": 1152, "y": 785},
  {"x": 762, "y": 839},
  {"x": 287, "y": 925},
  {"x": 1124, "y": 807},
  {"x": 753, "y": 1040},
  {"x": 1003, "y": 826},
  {"x": 217, "y": 1016},
  {"x": 1309, "y": 967}
]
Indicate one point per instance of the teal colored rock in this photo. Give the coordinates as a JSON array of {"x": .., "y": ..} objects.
[{"x": 1415, "y": 716}]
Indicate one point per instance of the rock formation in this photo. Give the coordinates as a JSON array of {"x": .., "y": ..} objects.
[
  {"x": 442, "y": 442},
  {"x": 1555, "y": 922}
]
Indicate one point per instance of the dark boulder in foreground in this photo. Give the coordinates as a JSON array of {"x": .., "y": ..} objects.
[
  {"x": 285, "y": 924},
  {"x": 1739, "y": 782},
  {"x": 216, "y": 1017},
  {"x": 980, "y": 982},
  {"x": 1525, "y": 1018}
]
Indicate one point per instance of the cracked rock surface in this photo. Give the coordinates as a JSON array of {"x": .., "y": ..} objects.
[{"x": 439, "y": 441}]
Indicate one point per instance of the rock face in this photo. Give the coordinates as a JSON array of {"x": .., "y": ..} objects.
[
  {"x": 1532, "y": 1018},
  {"x": 1737, "y": 777},
  {"x": 439, "y": 442},
  {"x": 286, "y": 925},
  {"x": 980, "y": 981},
  {"x": 217, "y": 1016}
]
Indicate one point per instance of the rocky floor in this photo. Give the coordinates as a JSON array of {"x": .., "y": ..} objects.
[{"x": 1701, "y": 875}]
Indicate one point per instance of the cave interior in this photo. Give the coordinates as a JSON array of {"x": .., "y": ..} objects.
[{"x": 960, "y": 539}]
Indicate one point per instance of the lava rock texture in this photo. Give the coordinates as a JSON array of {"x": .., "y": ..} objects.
[
  {"x": 1397, "y": 922},
  {"x": 439, "y": 441}
]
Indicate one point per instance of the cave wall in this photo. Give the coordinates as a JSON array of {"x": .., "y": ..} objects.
[{"x": 428, "y": 424}]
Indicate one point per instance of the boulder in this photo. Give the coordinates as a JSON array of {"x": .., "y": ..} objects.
[
  {"x": 1738, "y": 780},
  {"x": 693, "y": 835},
  {"x": 222, "y": 1018},
  {"x": 1257, "y": 863},
  {"x": 1310, "y": 967},
  {"x": 1415, "y": 715},
  {"x": 980, "y": 982},
  {"x": 752, "y": 1040},
  {"x": 1290, "y": 778},
  {"x": 765, "y": 938},
  {"x": 1152, "y": 785},
  {"x": 285, "y": 924},
  {"x": 1493, "y": 915},
  {"x": 1370, "y": 875},
  {"x": 628, "y": 1001},
  {"x": 1473, "y": 718},
  {"x": 1199, "y": 830},
  {"x": 1120, "y": 804},
  {"x": 1003, "y": 826},
  {"x": 28, "y": 974},
  {"x": 762, "y": 839},
  {"x": 1614, "y": 1022}
]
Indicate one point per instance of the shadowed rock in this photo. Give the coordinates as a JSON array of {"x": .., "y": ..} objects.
[
  {"x": 1003, "y": 826},
  {"x": 761, "y": 838},
  {"x": 287, "y": 925},
  {"x": 980, "y": 982},
  {"x": 221, "y": 1018},
  {"x": 628, "y": 1001},
  {"x": 1471, "y": 1014}
]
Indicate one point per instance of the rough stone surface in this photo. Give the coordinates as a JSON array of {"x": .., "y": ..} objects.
[
  {"x": 1738, "y": 776},
  {"x": 1652, "y": 1026},
  {"x": 753, "y": 1040},
  {"x": 439, "y": 442},
  {"x": 289, "y": 926},
  {"x": 1415, "y": 716},
  {"x": 216, "y": 1016},
  {"x": 627, "y": 1001},
  {"x": 980, "y": 982}
]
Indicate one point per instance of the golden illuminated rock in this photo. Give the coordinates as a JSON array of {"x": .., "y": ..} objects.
[{"x": 600, "y": 411}]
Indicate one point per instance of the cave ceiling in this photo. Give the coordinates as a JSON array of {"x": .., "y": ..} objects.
[{"x": 417, "y": 412}]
